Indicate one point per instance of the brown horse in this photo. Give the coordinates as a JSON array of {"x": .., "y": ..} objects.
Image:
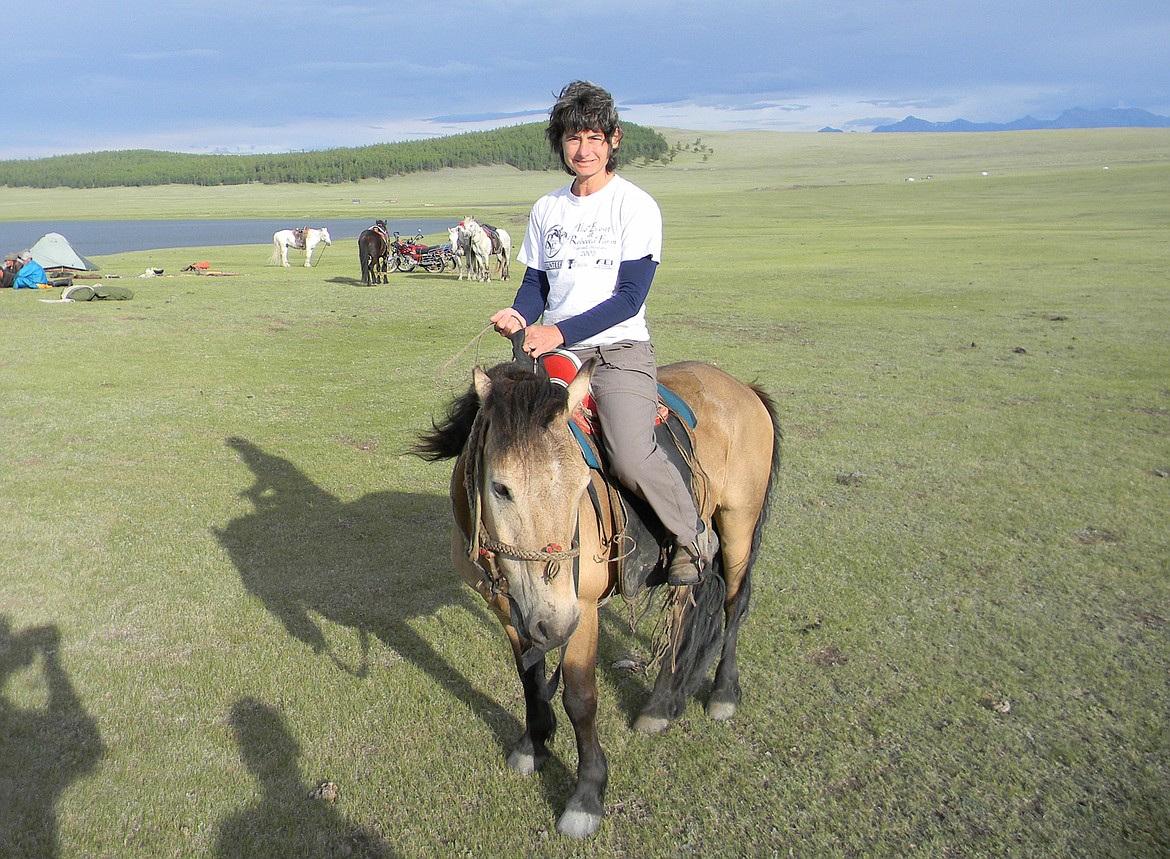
[
  {"x": 539, "y": 546},
  {"x": 374, "y": 254}
]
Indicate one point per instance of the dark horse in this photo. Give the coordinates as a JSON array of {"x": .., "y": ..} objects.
[
  {"x": 374, "y": 254},
  {"x": 539, "y": 535}
]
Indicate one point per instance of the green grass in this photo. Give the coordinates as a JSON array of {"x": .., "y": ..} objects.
[{"x": 208, "y": 502}]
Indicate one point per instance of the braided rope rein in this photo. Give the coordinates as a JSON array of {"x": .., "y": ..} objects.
[
  {"x": 479, "y": 542},
  {"x": 552, "y": 556}
]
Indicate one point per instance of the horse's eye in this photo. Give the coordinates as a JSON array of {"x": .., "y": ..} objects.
[{"x": 501, "y": 491}]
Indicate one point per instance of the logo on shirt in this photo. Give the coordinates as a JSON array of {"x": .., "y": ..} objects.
[{"x": 554, "y": 240}]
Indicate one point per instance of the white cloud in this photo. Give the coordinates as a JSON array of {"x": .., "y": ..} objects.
[{"x": 218, "y": 75}]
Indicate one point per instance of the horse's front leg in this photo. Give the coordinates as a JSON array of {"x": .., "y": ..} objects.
[
  {"x": 309, "y": 257},
  {"x": 531, "y": 750},
  {"x": 583, "y": 812}
]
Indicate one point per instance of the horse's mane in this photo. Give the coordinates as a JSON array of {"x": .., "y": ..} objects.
[
  {"x": 520, "y": 403},
  {"x": 448, "y": 437}
]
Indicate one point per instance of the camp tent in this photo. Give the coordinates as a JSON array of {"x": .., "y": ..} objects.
[{"x": 53, "y": 251}]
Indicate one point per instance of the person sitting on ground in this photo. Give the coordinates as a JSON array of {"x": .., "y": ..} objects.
[
  {"x": 8, "y": 273},
  {"x": 32, "y": 273}
]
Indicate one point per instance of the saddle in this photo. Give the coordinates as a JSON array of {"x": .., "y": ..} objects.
[
  {"x": 299, "y": 238},
  {"x": 644, "y": 545},
  {"x": 494, "y": 235}
]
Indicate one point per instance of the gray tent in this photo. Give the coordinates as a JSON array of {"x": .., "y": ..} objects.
[{"x": 52, "y": 251}]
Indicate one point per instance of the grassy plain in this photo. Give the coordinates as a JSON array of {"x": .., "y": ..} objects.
[{"x": 225, "y": 582}]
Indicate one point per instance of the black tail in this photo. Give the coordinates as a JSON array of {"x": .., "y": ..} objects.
[
  {"x": 703, "y": 634},
  {"x": 773, "y": 475}
]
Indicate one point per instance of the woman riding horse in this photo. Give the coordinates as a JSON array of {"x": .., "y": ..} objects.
[{"x": 537, "y": 532}]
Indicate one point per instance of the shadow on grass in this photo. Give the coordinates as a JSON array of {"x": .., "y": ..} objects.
[
  {"x": 43, "y": 749},
  {"x": 373, "y": 565},
  {"x": 291, "y": 818},
  {"x": 347, "y": 281},
  {"x": 370, "y": 565}
]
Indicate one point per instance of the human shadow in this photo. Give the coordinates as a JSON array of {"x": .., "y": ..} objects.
[
  {"x": 43, "y": 749},
  {"x": 291, "y": 818},
  {"x": 370, "y": 565}
]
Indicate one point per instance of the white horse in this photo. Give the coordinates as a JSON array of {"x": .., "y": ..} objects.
[
  {"x": 501, "y": 248},
  {"x": 306, "y": 239},
  {"x": 474, "y": 247}
]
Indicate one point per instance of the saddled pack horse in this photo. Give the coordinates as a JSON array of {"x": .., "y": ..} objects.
[
  {"x": 304, "y": 238},
  {"x": 541, "y": 536},
  {"x": 374, "y": 253},
  {"x": 501, "y": 248}
]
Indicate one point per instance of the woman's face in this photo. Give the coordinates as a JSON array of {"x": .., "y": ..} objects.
[{"x": 587, "y": 152}]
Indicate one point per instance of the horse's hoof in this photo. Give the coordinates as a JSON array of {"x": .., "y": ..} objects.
[
  {"x": 651, "y": 724},
  {"x": 522, "y": 763},
  {"x": 720, "y": 711},
  {"x": 578, "y": 824}
]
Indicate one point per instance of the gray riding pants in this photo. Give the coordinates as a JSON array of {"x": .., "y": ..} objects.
[{"x": 625, "y": 388}]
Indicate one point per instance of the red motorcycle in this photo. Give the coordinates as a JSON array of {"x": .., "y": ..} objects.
[{"x": 409, "y": 254}]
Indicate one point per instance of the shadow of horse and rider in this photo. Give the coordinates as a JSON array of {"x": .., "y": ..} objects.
[
  {"x": 44, "y": 748},
  {"x": 307, "y": 555}
]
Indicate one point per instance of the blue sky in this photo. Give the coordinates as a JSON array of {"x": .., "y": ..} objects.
[{"x": 238, "y": 76}]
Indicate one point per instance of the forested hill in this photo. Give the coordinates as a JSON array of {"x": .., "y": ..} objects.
[{"x": 521, "y": 146}]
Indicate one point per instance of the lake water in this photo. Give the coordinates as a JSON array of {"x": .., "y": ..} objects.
[{"x": 98, "y": 238}]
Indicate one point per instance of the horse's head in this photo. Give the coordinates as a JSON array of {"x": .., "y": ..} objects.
[
  {"x": 325, "y": 236},
  {"x": 530, "y": 477}
]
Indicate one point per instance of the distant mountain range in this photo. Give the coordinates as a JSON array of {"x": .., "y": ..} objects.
[{"x": 1076, "y": 118}]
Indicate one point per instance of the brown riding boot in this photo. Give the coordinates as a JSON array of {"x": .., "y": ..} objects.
[{"x": 686, "y": 567}]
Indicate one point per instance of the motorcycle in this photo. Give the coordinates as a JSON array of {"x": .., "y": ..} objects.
[{"x": 410, "y": 253}]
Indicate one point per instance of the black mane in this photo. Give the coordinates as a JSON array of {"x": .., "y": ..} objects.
[{"x": 520, "y": 403}]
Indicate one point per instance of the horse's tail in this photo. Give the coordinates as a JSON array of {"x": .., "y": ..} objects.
[
  {"x": 275, "y": 258},
  {"x": 705, "y": 624},
  {"x": 741, "y": 602},
  {"x": 692, "y": 648},
  {"x": 743, "y": 599}
]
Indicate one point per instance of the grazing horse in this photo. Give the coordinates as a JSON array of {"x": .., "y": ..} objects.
[
  {"x": 374, "y": 254},
  {"x": 539, "y": 535},
  {"x": 305, "y": 239},
  {"x": 475, "y": 246}
]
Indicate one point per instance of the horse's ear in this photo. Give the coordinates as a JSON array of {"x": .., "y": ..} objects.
[
  {"x": 579, "y": 387},
  {"x": 482, "y": 384}
]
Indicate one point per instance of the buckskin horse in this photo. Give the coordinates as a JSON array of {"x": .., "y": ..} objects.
[
  {"x": 305, "y": 238},
  {"x": 374, "y": 253},
  {"x": 539, "y": 534}
]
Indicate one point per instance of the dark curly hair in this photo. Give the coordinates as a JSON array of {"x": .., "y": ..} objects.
[{"x": 582, "y": 106}]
